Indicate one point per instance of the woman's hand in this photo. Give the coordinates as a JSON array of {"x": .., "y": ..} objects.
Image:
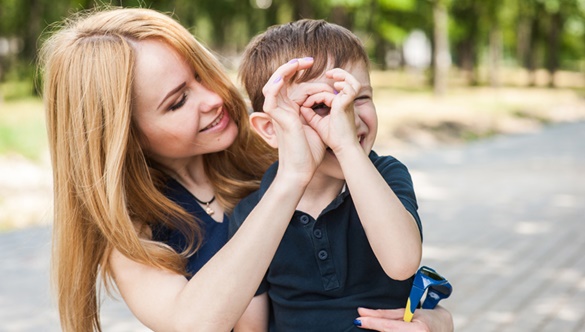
[
  {"x": 300, "y": 147},
  {"x": 424, "y": 320}
]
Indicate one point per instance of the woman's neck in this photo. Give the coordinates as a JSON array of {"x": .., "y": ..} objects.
[
  {"x": 192, "y": 176},
  {"x": 188, "y": 171}
]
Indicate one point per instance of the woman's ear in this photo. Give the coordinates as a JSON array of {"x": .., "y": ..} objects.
[{"x": 262, "y": 124}]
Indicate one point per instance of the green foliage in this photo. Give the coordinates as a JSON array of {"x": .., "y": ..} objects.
[
  {"x": 15, "y": 90},
  {"x": 347, "y": 3},
  {"x": 393, "y": 33},
  {"x": 22, "y": 128},
  {"x": 527, "y": 27},
  {"x": 399, "y": 5}
]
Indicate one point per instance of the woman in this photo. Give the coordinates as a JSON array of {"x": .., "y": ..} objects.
[{"x": 151, "y": 150}]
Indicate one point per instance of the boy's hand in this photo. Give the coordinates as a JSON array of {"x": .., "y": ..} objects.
[
  {"x": 338, "y": 128},
  {"x": 299, "y": 93},
  {"x": 299, "y": 147}
]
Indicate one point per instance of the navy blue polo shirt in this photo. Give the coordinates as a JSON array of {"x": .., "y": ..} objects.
[
  {"x": 215, "y": 234},
  {"x": 324, "y": 268}
]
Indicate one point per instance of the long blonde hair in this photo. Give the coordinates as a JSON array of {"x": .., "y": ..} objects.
[{"x": 105, "y": 188}]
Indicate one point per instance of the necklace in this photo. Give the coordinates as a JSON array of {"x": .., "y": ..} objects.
[{"x": 207, "y": 208}]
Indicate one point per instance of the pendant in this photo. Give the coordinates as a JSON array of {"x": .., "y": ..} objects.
[{"x": 209, "y": 210}]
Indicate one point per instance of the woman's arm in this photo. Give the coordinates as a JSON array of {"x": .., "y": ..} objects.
[
  {"x": 216, "y": 297},
  {"x": 256, "y": 316}
]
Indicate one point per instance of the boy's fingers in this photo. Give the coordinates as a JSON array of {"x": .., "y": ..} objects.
[
  {"x": 318, "y": 98},
  {"x": 341, "y": 76},
  {"x": 299, "y": 93},
  {"x": 345, "y": 88},
  {"x": 281, "y": 75},
  {"x": 284, "y": 72},
  {"x": 308, "y": 114}
]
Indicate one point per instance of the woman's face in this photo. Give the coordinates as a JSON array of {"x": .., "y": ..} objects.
[{"x": 179, "y": 117}]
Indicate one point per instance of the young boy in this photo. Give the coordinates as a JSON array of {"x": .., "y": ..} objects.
[{"x": 355, "y": 238}]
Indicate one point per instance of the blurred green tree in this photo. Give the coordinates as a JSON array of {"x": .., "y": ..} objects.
[{"x": 533, "y": 34}]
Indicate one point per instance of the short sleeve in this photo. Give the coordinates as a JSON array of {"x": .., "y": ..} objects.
[{"x": 398, "y": 177}]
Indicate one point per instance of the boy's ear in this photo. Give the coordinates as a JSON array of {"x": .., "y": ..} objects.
[{"x": 262, "y": 124}]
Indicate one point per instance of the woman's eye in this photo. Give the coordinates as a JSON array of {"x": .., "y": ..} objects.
[
  {"x": 180, "y": 103},
  {"x": 198, "y": 78},
  {"x": 321, "y": 109}
]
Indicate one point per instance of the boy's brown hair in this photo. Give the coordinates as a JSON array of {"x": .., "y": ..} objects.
[{"x": 328, "y": 43}]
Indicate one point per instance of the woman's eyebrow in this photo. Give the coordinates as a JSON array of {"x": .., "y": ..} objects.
[{"x": 172, "y": 92}]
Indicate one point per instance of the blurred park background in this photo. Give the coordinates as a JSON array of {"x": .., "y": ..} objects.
[
  {"x": 444, "y": 71},
  {"x": 463, "y": 88}
]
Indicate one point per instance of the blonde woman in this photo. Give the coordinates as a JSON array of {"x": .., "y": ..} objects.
[{"x": 151, "y": 149}]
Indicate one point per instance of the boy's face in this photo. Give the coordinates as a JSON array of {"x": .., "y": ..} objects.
[{"x": 366, "y": 120}]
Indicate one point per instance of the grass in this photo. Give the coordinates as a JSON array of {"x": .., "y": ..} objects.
[
  {"x": 417, "y": 117},
  {"x": 22, "y": 128}
]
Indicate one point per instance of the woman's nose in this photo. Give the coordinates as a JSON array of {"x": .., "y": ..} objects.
[{"x": 210, "y": 100}]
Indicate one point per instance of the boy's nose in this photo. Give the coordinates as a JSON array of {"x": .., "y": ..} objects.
[{"x": 357, "y": 118}]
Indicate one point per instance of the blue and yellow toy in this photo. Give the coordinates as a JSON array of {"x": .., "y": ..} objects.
[{"x": 438, "y": 288}]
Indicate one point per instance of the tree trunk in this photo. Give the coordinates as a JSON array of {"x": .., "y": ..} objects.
[
  {"x": 467, "y": 53},
  {"x": 32, "y": 29},
  {"x": 552, "y": 50},
  {"x": 441, "y": 55},
  {"x": 495, "y": 55},
  {"x": 532, "y": 53},
  {"x": 523, "y": 37}
]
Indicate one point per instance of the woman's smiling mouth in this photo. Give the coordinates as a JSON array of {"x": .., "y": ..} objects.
[{"x": 215, "y": 122}]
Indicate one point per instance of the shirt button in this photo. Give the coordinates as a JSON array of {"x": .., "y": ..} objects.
[
  {"x": 318, "y": 234},
  {"x": 323, "y": 255},
  {"x": 304, "y": 219}
]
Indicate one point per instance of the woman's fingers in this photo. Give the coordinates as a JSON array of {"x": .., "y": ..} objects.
[
  {"x": 384, "y": 313},
  {"x": 388, "y": 325},
  {"x": 391, "y": 320}
]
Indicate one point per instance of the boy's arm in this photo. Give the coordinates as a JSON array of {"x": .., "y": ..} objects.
[
  {"x": 255, "y": 318},
  {"x": 391, "y": 230}
]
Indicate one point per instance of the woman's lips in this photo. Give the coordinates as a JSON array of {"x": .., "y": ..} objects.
[{"x": 215, "y": 122}]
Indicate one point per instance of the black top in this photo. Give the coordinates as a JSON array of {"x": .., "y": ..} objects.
[
  {"x": 325, "y": 269},
  {"x": 215, "y": 234}
]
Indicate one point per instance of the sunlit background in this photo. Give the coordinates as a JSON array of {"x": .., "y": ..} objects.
[{"x": 484, "y": 100}]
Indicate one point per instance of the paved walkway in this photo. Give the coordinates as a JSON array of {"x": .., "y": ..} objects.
[{"x": 502, "y": 220}]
